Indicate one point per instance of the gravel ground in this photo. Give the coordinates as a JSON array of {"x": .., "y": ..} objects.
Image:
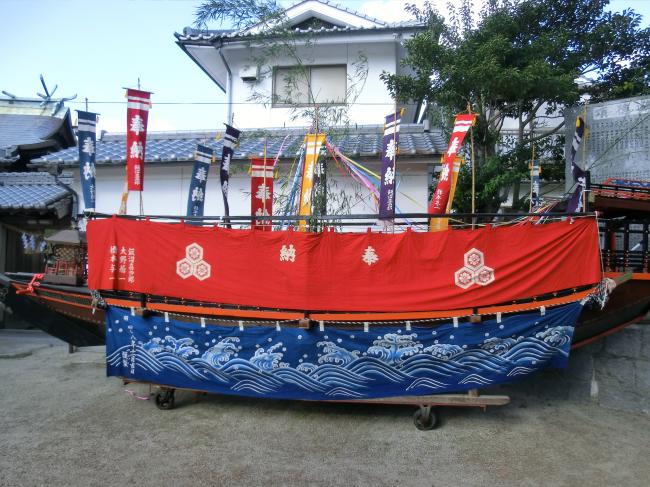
[{"x": 64, "y": 423}]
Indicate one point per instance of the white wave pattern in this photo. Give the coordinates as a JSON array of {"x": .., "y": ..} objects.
[
  {"x": 426, "y": 383},
  {"x": 475, "y": 379},
  {"x": 394, "y": 364}
]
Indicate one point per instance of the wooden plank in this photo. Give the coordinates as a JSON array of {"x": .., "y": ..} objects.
[
  {"x": 463, "y": 400},
  {"x": 436, "y": 400}
]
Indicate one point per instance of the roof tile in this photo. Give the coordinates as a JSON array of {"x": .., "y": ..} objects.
[{"x": 169, "y": 147}]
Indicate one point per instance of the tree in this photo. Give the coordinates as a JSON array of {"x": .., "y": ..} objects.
[
  {"x": 522, "y": 60},
  {"x": 276, "y": 42}
]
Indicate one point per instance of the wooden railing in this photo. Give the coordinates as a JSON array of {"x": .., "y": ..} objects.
[{"x": 625, "y": 245}]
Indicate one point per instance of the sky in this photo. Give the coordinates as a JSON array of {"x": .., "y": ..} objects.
[{"x": 94, "y": 48}]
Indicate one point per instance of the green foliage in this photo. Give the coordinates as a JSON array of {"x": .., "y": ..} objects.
[
  {"x": 521, "y": 60},
  {"x": 239, "y": 13}
]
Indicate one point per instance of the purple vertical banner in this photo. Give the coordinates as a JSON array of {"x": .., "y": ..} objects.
[
  {"x": 576, "y": 202},
  {"x": 230, "y": 140},
  {"x": 196, "y": 196},
  {"x": 389, "y": 155}
]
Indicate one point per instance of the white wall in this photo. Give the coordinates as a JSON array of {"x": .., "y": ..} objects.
[
  {"x": 372, "y": 103},
  {"x": 166, "y": 187}
]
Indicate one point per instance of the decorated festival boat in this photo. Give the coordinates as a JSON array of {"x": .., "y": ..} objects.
[{"x": 289, "y": 306}]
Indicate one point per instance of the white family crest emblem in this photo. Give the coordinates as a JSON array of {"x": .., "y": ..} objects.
[
  {"x": 193, "y": 264},
  {"x": 370, "y": 256},
  {"x": 474, "y": 271},
  {"x": 288, "y": 254}
]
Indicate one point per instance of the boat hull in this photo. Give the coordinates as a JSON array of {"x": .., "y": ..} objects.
[
  {"x": 67, "y": 313},
  {"x": 336, "y": 362}
]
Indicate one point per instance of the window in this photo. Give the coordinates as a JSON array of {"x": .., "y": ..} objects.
[{"x": 303, "y": 85}]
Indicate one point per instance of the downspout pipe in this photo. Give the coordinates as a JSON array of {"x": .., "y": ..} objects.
[
  {"x": 228, "y": 82},
  {"x": 74, "y": 217}
]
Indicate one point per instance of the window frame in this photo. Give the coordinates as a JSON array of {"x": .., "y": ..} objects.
[{"x": 277, "y": 104}]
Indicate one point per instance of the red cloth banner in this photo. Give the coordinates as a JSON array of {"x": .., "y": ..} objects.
[
  {"x": 440, "y": 197},
  {"x": 410, "y": 271},
  {"x": 262, "y": 191},
  {"x": 137, "y": 114}
]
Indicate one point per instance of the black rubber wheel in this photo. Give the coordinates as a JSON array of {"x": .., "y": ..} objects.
[
  {"x": 165, "y": 399},
  {"x": 425, "y": 418}
]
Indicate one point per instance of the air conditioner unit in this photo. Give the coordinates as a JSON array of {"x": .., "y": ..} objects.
[{"x": 249, "y": 73}]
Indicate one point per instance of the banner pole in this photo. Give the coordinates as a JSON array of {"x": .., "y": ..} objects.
[
  {"x": 532, "y": 169},
  {"x": 471, "y": 141},
  {"x": 264, "y": 211},
  {"x": 587, "y": 187}
]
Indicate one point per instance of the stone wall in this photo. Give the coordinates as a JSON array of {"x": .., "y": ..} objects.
[{"x": 613, "y": 372}]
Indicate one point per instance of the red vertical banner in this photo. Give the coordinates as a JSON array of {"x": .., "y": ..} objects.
[
  {"x": 440, "y": 197},
  {"x": 137, "y": 114},
  {"x": 262, "y": 191}
]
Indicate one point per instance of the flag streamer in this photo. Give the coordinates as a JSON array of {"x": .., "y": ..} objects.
[
  {"x": 199, "y": 181},
  {"x": 440, "y": 199},
  {"x": 576, "y": 202},
  {"x": 262, "y": 191},
  {"x": 313, "y": 143},
  {"x": 388, "y": 165},
  {"x": 137, "y": 114},
  {"x": 87, "y": 130},
  {"x": 230, "y": 141}
]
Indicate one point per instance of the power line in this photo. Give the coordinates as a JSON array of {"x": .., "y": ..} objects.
[{"x": 104, "y": 102}]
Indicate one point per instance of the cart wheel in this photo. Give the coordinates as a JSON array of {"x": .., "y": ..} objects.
[
  {"x": 165, "y": 399},
  {"x": 425, "y": 418}
]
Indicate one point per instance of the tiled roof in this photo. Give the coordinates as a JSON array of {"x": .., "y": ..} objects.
[
  {"x": 180, "y": 146},
  {"x": 27, "y": 124},
  {"x": 39, "y": 191},
  {"x": 192, "y": 35}
]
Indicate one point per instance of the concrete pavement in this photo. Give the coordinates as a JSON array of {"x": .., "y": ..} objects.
[{"x": 64, "y": 423}]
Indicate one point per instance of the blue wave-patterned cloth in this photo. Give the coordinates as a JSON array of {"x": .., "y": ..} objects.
[{"x": 336, "y": 363}]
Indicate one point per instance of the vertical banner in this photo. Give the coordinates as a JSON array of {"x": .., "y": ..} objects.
[
  {"x": 196, "y": 195},
  {"x": 440, "y": 198},
  {"x": 313, "y": 143},
  {"x": 576, "y": 202},
  {"x": 87, "y": 129},
  {"x": 137, "y": 114},
  {"x": 388, "y": 166},
  {"x": 535, "y": 184},
  {"x": 443, "y": 223},
  {"x": 262, "y": 191},
  {"x": 230, "y": 141}
]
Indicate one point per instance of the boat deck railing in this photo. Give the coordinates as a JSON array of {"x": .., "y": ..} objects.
[
  {"x": 624, "y": 241},
  {"x": 607, "y": 190},
  {"x": 624, "y": 245},
  {"x": 358, "y": 223}
]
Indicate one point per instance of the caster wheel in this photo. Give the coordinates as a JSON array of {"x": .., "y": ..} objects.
[
  {"x": 425, "y": 418},
  {"x": 165, "y": 399}
]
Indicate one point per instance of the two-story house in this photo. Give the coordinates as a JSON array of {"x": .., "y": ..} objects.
[{"x": 321, "y": 68}]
